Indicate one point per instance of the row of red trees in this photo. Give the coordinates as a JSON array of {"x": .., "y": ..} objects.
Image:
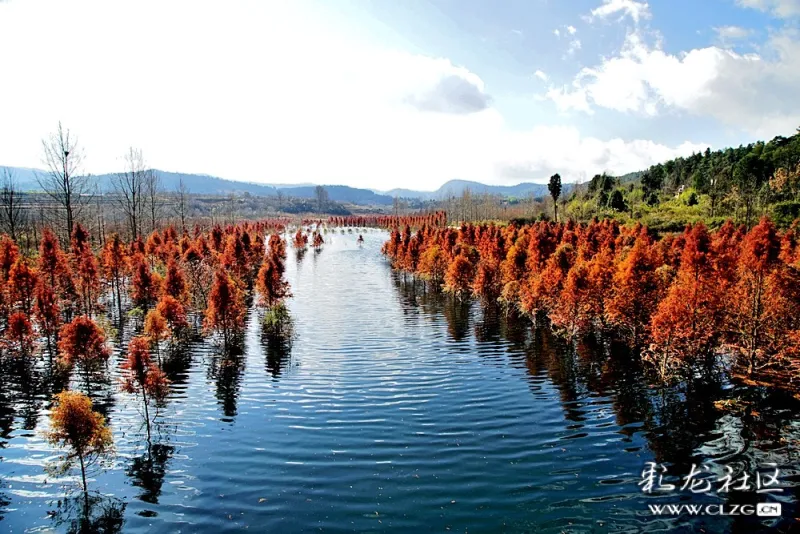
[
  {"x": 417, "y": 220},
  {"x": 59, "y": 299},
  {"x": 56, "y": 296},
  {"x": 679, "y": 298}
]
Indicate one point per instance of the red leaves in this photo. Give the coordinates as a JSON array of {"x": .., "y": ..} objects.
[
  {"x": 458, "y": 278},
  {"x": 74, "y": 424},
  {"x": 317, "y": 241},
  {"x": 84, "y": 343},
  {"x": 18, "y": 337},
  {"x": 270, "y": 283},
  {"x": 173, "y": 313},
  {"x": 684, "y": 295},
  {"x": 22, "y": 281},
  {"x": 140, "y": 373},
  {"x": 174, "y": 283},
  {"x": 145, "y": 284},
  {"x": 226, "y": 312},
  {"x": 300, "y": 239}
]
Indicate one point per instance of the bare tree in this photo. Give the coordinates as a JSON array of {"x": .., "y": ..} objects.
[
  {"x": 63, "y": 182},
  {"x": 182, "y": 205},
  {"x": 13, "y": 216},
  {"x": 100, "y": 214},
  {"x": 322, "y": 198},
  {"x": 152, "y": 193},
  {"x": 129, "y": 187}
]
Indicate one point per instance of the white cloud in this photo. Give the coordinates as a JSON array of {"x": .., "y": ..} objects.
[
  {"x": 270, "y": 92},
  {"x": 557, "y": 32},
  {"x": 541, "y": 75},
  {"x": 779, "y": 8},
  {"x": 545, "y": 150},
  {"x": 753, "y": 92},
  {"x": 574, "y": 46},
  {"x": 631, "y": 8},
  {"x": 571, "y": 30},
  {"x": 732, "y": 33},
  {"x": 458, "y": 91}
]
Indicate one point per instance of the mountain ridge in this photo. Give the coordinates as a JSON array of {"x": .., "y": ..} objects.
[{"x": 206, "y": 184}]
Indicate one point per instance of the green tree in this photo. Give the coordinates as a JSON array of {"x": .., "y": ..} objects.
[
  {"x": 617, "y": 201},
  {"x": 555, "y": 191}
]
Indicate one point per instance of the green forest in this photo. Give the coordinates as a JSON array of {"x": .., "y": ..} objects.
[{"x": 741, "y": 184}]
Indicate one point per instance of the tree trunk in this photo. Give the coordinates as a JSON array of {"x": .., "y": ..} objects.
[
  {"x": 146, "y": 416},
  {"x": 85, "y": 487}
]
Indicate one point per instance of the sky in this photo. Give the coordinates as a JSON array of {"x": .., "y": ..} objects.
[{"x": 384, "y": 93}]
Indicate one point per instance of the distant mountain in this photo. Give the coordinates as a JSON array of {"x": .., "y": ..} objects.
[
  {"x": 203, "y": 184},
  {"x": 341, "y": 193},
  {"x": 457, "y": 188},
  {"x": 199, "y": 184}
]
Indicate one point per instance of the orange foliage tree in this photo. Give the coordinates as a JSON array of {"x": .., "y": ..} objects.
[
  {"x": 18, "y": 337},
  {"x": 685, "y": 322},
  {"x": 634, "y": 291},
  {"x": 76, "y": 426},
  {"x": 83, "y": 342},
  {"x": 156, "y": 328},
  {"x": 142, "y": 376},
  {"x": 270, "y": 282},
  {"x": 145, "y": 284},
  {"x": 174, "y": 281},
  {"x": 458, "y": 279},
  {"x": 226, "y": 312},
  {"x": 764, "y": 302},
  {"x": 22, "y": 281},
  {"x": 114, "y": 259},
  {"x": 48, "y": 315},
  {"x": 173, "y": 313}
]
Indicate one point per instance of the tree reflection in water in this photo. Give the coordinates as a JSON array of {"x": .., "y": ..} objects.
[
  {"x": 277, "y": 355},
  {"x": 147, "y": 471},
  {"x": 104, "y": 514},
  {"x": 683, "y": 423},
  {"x": 227, "y": 371}
]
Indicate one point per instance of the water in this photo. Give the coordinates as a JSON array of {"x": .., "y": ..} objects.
[{"x": 395, "y": 410}]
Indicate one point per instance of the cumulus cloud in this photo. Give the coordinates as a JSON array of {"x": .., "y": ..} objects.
[
  {"x": 779, "y": 8},
  {"x": 754, "y": 92},
  {"x": 576, "y": 157},
  {"x": 732, "y": 33},
  {"x": 541, "y": 75},
  {"x": 636, "y": 10},
  {"x": 453, "y": 93},
  {"x": 571, "y": 30}
]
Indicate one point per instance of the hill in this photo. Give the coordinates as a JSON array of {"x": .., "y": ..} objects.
[
  {"x": 204, "y": 184},
  {"x": 457, "y": 188}
]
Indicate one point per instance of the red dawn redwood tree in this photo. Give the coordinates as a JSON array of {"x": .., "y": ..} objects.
[
  {"x": 22, "y": 281},
  {"x": 143, "y": 377},
  {"x": 48, "y": 315},
  {"x": 634, "y": 291},
  {"x": 226, "y": 312},
  {"x": 687, "y": 321},
  {"x": 82, "y": 342},
  {"x": 114, "y": 259},
  {"x": 764, "y": 302},
  {"x": 75, "y": 425},
  {"x": 18, "y": 336}
]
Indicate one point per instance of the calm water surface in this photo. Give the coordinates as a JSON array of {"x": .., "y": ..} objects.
[{"x": 395, "y": 410}]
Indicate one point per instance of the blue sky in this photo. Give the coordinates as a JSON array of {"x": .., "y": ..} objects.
[{"x": 386, "y": 93}]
